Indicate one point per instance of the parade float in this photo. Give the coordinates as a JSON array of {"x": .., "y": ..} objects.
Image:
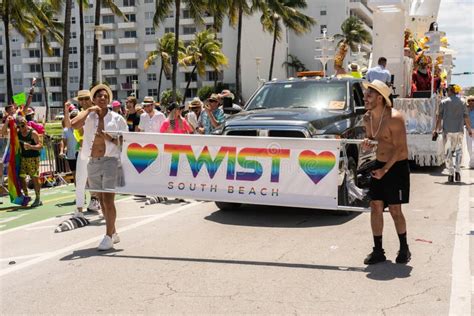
[{"x": 406, "y": 33}]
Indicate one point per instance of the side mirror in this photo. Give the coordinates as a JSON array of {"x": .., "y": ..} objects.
[{"x": 360, "y": 111}]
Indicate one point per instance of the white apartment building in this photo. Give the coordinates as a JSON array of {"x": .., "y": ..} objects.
[
  {"x": 124, "y": 48},
  {"x": 329, "y": 15}
]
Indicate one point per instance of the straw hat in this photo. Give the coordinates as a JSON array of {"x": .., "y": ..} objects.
[
  {"x": 82, "y": 94},
  {"x": 101, "y": 86},
  {"x": 195, "y": 103},
  {"x": 148, "y": 99},
  {"x": 213, "y": 97},
  {"x": 381, "y": 88}
]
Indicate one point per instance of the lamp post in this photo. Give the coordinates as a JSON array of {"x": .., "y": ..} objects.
[
  {"x": 98, "y": 35},
  {"x": 258, "y": 61},
  {"x": 326, "y": 51}
]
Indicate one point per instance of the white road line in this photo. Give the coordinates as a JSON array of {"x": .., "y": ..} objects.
[
  {"x": 9, "y": 219},
  {"x": 40, "y": 227},
  {"x": 90, "y": 240},
  {"x": 23, "y": 257},
  {"x": 461, "y": 284}
]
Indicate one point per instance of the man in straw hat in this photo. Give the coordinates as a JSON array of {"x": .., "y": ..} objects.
[
  {"x": 151, "y": 120},
  {"x": 103, "y": 149},
  {"x": 390, "y": 182},
  {"x": 195, "y": 109},
  {"x": 212, "y": 117},
  {"x": 454, "y": 114}
]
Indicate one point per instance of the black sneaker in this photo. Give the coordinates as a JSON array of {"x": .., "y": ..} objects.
[
  {"x": 375, "y": 257},
  {"x": 451, "y": 178},
  {"x": 404, "y": 256},
  {"x": 457, "y": 176}
]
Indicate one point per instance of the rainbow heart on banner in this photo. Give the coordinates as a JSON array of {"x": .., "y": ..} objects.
[
  {"x": 316, "y": 166},
  {"x": 141, "y": 156}
]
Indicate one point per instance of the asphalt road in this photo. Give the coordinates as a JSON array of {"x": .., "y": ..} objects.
[{"x": 192, "y": 258}]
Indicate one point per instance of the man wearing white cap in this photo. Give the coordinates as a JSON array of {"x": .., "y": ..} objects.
[
  {"x": 390, "y": 183},
  {"x": 103, "y": 149}
]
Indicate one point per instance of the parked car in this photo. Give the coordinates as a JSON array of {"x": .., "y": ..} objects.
[{"x": 309, "y": 108}]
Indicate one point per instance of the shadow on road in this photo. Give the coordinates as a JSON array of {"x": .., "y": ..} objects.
[
  {"x": 388, "y": 271},
  {"x": 272, "y": 216}
]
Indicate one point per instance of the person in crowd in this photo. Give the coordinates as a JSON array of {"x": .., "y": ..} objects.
[
  {"x": 227, "y": 94},
  {"x": 453, "y": 114},
  {"x": 195, "y": 108},
  {"x": 117, "y": 107},
  {"x": 139, "y": 109},
  {"x": 379, "y": 72},
  {"x": 133, "y": 118},
  {"x": 85, "y": 102},
  {"x": 390, "y": 182},
  {"x": 470, "y": 107},
  {"x": 212, "y": 116},
  {"x": 69, "y": 147},
  {"x": 175, "y": 123},
  {"x": 421, "y": 77},
  {"x": 355, "y": 71},
  {"x": 104, "y": 154},
  {"x": 30, "y": 145},
  {"x": 151, "y": 120}
]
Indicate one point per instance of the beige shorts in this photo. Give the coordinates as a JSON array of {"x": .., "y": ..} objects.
[{"x": 104, "y": 173}]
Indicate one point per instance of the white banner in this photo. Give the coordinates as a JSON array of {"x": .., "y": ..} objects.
[{"x": 271, "y": 171}]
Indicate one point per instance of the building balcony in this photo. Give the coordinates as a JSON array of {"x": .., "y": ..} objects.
[
  {"x": 109, "y": 72},
  {"x": 109, "y": 57},
  {"x": 31, "y": 75},
  {"x": 128, "y": 40},
  {"x": 52, "y": 74},
  {"x": 149, "y": 47},
  {"x": 128, "y": 56},
  {"x": 360, "y": 8},
  {"x": 186, "y": 37},
  {"x": 105, "y": 11},
  {"x": 127, "y": 25},
  {"x": 209, "y": 83},
  {"x": 132, "y": 9},
  {"x": 186, "y": 22},
  {"x": 32, "y": 60},
  {"x": 52, "y": 60},
  {"x": 208, "y": 20},
  {"x": 128, "y": 86},
  {"x": 108, "y": 41},
  {"x": 192, "y": 85},
  {"x": 113, "y": 87},
  {"x": 54, "y": 89},
  {"x": 31, "y": 45},
  {"x": 129, "y": 71}
]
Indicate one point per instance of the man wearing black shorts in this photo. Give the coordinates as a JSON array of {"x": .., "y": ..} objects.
[{"x": 390, "y": 183}]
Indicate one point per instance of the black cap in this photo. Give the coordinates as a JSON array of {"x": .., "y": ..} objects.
[{"x": 174, "y": 105}]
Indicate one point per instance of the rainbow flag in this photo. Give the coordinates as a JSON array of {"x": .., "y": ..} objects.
[{"x": 13, "y": 156}]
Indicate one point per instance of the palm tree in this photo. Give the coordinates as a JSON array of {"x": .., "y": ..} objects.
[
  {"x": 47, "y": 31},
  {"x": 204, "y": 51},
  {"x": 65, "y": 61},
  {"x": 294, "y": 63},
  {"x": 217, "y": 8},
  {"x": 82, "y": 4},
  {"x": 115, "y": 10},
  {"x": 164, "y": 51},
  {"x": 163, "y": 9},
  {"x": 17, "y": 14},
  {"x": 353, "y": 33},
  {"x": 278, "y": 12}
]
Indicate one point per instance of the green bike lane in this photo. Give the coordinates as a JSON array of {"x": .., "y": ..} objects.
[{"x": 57, "y": 201}]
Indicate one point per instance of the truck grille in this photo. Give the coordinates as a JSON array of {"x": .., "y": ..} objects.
[
  {"x": 294, "y": 134},
  {"x": 268, "y": 133},
  {"x": 242, "y": 133}
]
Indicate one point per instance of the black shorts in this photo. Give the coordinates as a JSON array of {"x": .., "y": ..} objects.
[
  {"x": 394, "y": 187},
  {"x": 72, "y": 164}
]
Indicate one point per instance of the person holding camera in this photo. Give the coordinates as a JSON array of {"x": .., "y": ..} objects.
[{"x": 212, "y": 117}]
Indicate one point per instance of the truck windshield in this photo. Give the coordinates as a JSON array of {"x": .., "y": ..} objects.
[{"x": 301, "y": 94}]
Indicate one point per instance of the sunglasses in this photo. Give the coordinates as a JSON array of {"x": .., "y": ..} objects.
[
  {"x": 145, "y": 105},
  {"x": 83, "y": 99},
  {"x": 194, "y": 109}
]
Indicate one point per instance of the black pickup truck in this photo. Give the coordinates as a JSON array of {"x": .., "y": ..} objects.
[{"x": 309, "y": 108}]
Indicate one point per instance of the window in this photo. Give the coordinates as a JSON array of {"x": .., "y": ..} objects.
[
  {"x": 191, "y": 93},
  {"x": 111, "y": 80},
  {"x": 34, "y": 53},
  {"x": 153, "y": 92},
  {"x": 16, "y": 53},
  {"x": 72, "y": 50},
  {"x": 73, "y": 65},
  {"x": 108, "y": 19},
  {"x": 2, "y": 97},
  {"x": 18, "y": 68},
  {"x": 35, "y": 68},
  {"x": 149, "y": 1},
  {"x": 128, "y": 3},
  {"x": 1, "y": 55},
  {"x": 212, "y": 75},
  {"x": 109, "y": 64},
  {"x": 37, "y": 97},
  {"x": 130, "y": 34},
  {"x": 54, "y": 67},
  {"x": 73, "y": 19},
  {"x": 72, "y": 94},
  {"x": 89, "y": 49},
  {"x": 73, "y": 35},
  {"x": 149, "y": 15},
  {"x": 169, "y": 29},
  {"x": 189, "y": 30},
  {"x": 188, "y": 76},
  {"x": 323, "y": 27},
  {"x": 1, "y": 40},
  {"x": 17, "y": 82},
  {"x": 73, "y": 79},
  {"x": 131, "y": 78},
  {"x": 150, "y": 31},
  {"x": 89, "y": 34},
  {"x": 151, "y": 77},
  {"x": 323, "y": 12},
  {"x": 56, "y": 97},
  {"x": 39, "y": 83},
  {"x": 131, "y": 17},
  {"x": 88, "y": 19},
  {"x": 15, "y": 39},
  {"x": 56, "y": 52},
  {"x": 109, "y": 49},
  {"x": 131, "y": 63},
  {"x": 186, "y": 14},
  {"x": 109, "y": 34},
  {"x": 55, "y": 82}
]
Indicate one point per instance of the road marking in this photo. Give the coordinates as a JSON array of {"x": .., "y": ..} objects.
[
  {"x": 13, "y": 258},
  {"x": 9, "y": 219},
  {"x": 461, "y": 284},
  {"x": 81, "y": 244},
  {"x": 40, "y": 227}
]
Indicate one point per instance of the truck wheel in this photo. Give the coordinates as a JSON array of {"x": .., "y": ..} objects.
[
  {"x": 343, "y": 193},
  {"x": 226, "y": 206}
]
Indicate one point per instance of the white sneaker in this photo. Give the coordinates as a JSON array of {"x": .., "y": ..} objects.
[
  {"x": 116, "y": 238},
  {"x": 94, "y": 205},
  {"x": 106, "y": 243},
  {"x": 78, "y": 214}
]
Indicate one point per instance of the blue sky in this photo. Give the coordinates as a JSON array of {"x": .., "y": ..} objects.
[{"x": 456, "y": 18}]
